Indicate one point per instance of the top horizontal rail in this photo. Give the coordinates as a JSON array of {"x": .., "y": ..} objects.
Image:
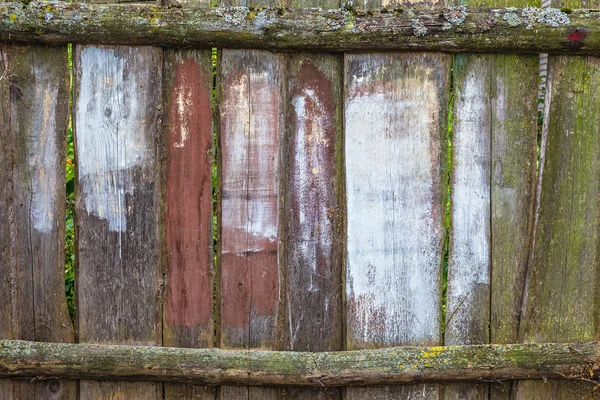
[{"x": 453, "y": 29}]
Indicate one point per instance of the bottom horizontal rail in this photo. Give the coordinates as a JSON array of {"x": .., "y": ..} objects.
[{"x": 400, "y": 365}]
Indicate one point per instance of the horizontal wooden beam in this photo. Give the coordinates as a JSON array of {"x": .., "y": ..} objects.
[
  {"x": 401, "y": 365},
  {"x": 454, "y": 29}
]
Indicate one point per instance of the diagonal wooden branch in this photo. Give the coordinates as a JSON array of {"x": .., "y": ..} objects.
[
  {"x": 21, "y": 359},
  {"x": 455, "y": 29}
]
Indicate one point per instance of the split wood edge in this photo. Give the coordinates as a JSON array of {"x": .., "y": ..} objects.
[
  {"x": 453, "y": 29},
  {"x": 400, "y": 365}
]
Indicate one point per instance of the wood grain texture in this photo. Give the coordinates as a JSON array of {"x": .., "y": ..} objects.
[
  {"x": 188, "y": 319},
  {"x": 514, "y": 157},
  {"x": 250, "y": 135},
  {"x": 563, "y": 289},
  {"x": 391, "y": 366},
  {"x": 493, "y": 139},
  {"x": 313, "y": 211},
  {"x": 34, "y": 95},
  {"x": 469, "y": 255},
  {"x": 395, "y": 120},
  {"x": 117, "y": 118}
]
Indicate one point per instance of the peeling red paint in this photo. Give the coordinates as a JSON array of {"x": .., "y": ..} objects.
[
  {"x": 189, "y": 199},
  {"x": 250, "y": 130}
]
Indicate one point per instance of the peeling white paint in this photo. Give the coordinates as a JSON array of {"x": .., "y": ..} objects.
[
  {"x": 250, "y": 161},
  {"x": 184, "y": 105},
  {"x": 111, "y": 134},
  {"x": 394, "y": 234},
  {"x": 310, "y": 150},
  {"x": 44, "y": 159},
  {"x": 469, "y": 257}
]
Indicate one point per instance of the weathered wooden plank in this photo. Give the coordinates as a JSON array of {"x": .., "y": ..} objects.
[
  {"x": 490, "y": 30},
  {"x": 398, "y": 365},
  {"x": 313, "y": 206},
  {"x": 395, "y": 120},
  {"x": 117, "y": 105},
  {"x": 188, "y": 309},
  {"x": 563, "y": 281},
  {"x": 494, "y": 139},
  {"x": 514, "y": 157},
  {"x": 313, "y": 209},
  {"x": 494, "y": 144},
  {"x": 35, "y": 98},
  {"x": 6, "y": 209},
  {"x": 250, "y": 132}
]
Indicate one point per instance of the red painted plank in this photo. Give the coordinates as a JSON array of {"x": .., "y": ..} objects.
[
  {"x": 250, "y": 129},
  {"x": 188, "y": 312}
]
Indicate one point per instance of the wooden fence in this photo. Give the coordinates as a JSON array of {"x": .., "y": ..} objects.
[{"x": 300, "y": 202}]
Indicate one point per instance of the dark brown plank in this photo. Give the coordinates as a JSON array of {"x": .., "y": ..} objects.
[
  {"x": 35, "y": 97},
  {"x": 250, "y": 131},
  {"x": 188, "y": 310},
  {"x": 117, "y": 105},
  {"x": 313, "y": 209}
]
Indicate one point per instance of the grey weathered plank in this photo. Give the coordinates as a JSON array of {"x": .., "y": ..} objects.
[
  {"x": 117, "y": 103},
  {"x": 494, "y": 139},
  {"x": 395, "y": 132},
  {"x": 313, "y": 208},
  {"x": 34, "y": 95},
  {"x": 188, "y": 319},
  {"x": 563, "y": 281},
  {"x": 251, "y": 127}
]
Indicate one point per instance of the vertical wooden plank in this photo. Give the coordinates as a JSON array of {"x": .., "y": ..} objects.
[
  {"x": 493, "y": 141},
  {"x": 35, "y": 97},
  {"x": 6, "y": 209},
  {"x": 314, "y": 205},
  {"x": 117, "y": 105},
  {"x": 513, "y": 169},
  {"x": 563, "y": 282},
  {"x": 313, "y": 214},
  {"x": 494, "y": 150},
  {"x": 250, "y": 130},
  {"x": 188, "y": 308},
  {"x": 395, "y": 120}
]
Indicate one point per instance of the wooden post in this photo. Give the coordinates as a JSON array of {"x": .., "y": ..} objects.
[
  {"x": 493, "y": 169},
  {"x": 251, "y": 126},
  {"x": 34, "y": 101},
  {"x": 117, "y": 112},
  {"x": 395, "y": 120},
  {"x": 563, "y": 277}
]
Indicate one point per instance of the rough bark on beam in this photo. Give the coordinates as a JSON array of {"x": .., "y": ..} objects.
[
  {"x": 398, "y": 365},
  {"x": 456, "y": 29}
]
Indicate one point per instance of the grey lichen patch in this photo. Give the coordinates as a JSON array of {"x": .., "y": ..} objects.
[
  {"x": 548, "y": 16},
  {"x": 233, "y": 15},
  {"x": 446, "y": 26},
  {"x": 455, "y": 15},
  {"x": 512, "y": 18},
  {"x": 555, "y": 17},
  {"x": 419, "y": 29},
  {"x": 264, "y": 17},
  {"x": 338, "y": 19}
]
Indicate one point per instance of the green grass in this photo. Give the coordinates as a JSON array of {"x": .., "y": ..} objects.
[{"x": 70, "y": 188}]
